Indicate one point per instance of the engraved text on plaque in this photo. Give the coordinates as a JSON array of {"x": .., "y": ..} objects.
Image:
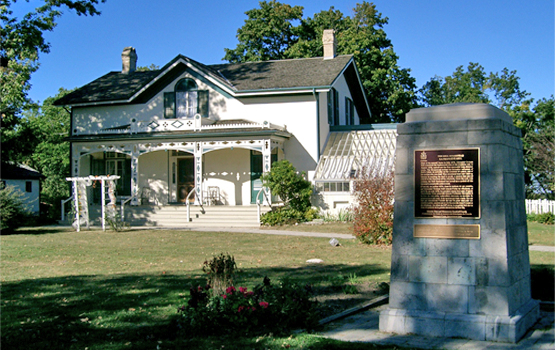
[{"x": 447, "y": 183}]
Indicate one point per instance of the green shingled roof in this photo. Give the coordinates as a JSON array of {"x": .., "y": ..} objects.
[{"x": 235, "y": 77}]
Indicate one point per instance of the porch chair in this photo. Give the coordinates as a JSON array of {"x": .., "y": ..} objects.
[
  {"x": 212, "y": 196},
  {"x": 145, "y": 196}
]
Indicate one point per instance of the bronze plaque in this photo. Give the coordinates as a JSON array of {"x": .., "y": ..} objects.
[
  {"x": 447, "y": 183},
  {"x": 447, "y": 231}
]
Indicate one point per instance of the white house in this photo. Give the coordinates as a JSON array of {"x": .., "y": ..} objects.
[
  {"x": 215, "y": 129},
  {"x": 25, "y": 180}
]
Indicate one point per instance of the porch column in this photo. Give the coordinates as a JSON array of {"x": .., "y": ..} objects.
[
  {"x": 76, "y": 158},
  {"x": 198, "y": 172},
  {"x": 267, "y": 163},
  {"x": 135, "y": 176}
]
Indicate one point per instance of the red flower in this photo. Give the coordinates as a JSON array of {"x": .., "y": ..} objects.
[
  {"x": 230, "y": 290},
  {"x": 224, "y": 296},
  {"x": 263, "y": 304},
  {"x": 240, "y": 308},
  {"x": 242, "y": 289}
]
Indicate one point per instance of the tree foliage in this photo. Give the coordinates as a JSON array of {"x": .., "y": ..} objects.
[
  {"x": 49, "y": 126},
  {"x": 22, "y": 40},
  {"x": 539, "y": 147},
  {"x": 13, "y": 211},
  {"x": 474, "y": 85},
  {"x": 278, "y": 31}
]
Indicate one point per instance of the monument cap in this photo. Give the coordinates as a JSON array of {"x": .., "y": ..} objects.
[{"x": 455, "y": 111}]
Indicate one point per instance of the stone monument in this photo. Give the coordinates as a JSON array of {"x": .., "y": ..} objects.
[{"x": 460, "y": 265}]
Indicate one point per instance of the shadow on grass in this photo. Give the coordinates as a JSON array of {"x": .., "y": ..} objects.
[
  {"x": 124, "y": 311},
  {"x": 542, "y": 279}
]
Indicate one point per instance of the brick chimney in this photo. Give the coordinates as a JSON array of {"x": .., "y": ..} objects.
[
  {"x": 128, "y": 60},
  {"x": 328, "y": 39}
]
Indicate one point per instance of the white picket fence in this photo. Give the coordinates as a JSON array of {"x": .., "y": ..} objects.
[{"x": 540, "y": 206}]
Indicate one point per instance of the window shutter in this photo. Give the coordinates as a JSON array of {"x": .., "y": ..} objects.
[
  {"x": 126, "y": 191},
  {"x": 203, "y": 103},
  {"x": 347, "y": 116},
  {"x": 336, "y": 107},
  {"x": 169, "y": 105},
  {"x": 330, "y": 108},
  {"x": 351, "y": 112}
]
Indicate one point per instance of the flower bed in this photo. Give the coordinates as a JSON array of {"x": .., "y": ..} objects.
[{"x": 267, "y": 308}]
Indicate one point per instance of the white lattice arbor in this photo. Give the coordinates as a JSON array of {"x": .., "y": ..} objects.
[{"x": 81, "y": 202}]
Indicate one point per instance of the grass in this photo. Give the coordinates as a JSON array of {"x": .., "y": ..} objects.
[
  {"x": 328, "y": 227},
  {"x": 120, "y": 290},
  {"x": 540, "y": 234}
]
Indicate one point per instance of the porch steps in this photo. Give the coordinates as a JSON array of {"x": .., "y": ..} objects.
[{"x": 208, "y": 216}]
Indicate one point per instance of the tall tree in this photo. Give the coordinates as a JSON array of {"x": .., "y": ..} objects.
[
  {"x": 474, "y": 85},
  {"x": 390, "y": 90},
  {"x": 267, "y": 34},
  {"x": 45, "y": 129},
  {"x": 539, "y": 148},
  {"x": 21, "y": 42}
]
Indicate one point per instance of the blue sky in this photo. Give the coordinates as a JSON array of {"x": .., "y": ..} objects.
[{"x": 431, "y": 37}]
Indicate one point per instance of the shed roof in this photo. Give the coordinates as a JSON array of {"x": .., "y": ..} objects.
[{"x": 18, "y": 172}]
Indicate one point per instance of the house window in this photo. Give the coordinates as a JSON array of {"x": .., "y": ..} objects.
[
  {"x": 113, "y": 163},
  {"x": 186, "y": 101},
  {"x": 333, "y": 107},
  {"x": 349, "y": 111},
  {"x": 28, "y": 186},
  {"x": 333, "y": 186}
]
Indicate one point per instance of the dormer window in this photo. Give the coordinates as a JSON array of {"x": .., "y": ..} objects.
[{"x": 186, "y": 100}]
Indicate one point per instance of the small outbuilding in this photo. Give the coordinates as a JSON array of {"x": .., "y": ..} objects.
[{"x": 24, "y": 179}]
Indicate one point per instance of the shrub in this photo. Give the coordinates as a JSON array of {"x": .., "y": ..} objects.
[
  {"x": 544, "y": 218},
  {"x": 13, "y": 212},
  {"x": 221, "y": 271},
  {"x": 343, "y": 215},
  {"x": 373, "y": 214},
  {"x": 284, "y": 181},
  {"x": 268, "y": 308}
]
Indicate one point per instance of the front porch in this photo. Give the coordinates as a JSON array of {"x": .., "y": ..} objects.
[{"x": 221, "y": 170}]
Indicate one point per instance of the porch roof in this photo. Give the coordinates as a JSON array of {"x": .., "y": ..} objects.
[{"x": 192, "y": 134}]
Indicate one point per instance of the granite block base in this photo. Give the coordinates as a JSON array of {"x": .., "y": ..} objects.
[{"x": 500, "y": 328}]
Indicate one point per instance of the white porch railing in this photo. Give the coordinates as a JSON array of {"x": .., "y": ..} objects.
[
  {"x": 165, "y": 125},
  {"x": 123, "y": 203},
  {"x": 64, "y": 201},
  {"x": 266, "y": 200},
  {"x": 187, "y": 201},
  {"x": 540, "y": 206}
]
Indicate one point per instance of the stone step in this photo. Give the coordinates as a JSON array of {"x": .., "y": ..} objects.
[{"x": 176, "y": 216}]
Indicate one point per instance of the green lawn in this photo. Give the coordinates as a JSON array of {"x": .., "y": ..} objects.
[
  {"x": 120, "y": 290},
  {"x": 540, "y": 234}
]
